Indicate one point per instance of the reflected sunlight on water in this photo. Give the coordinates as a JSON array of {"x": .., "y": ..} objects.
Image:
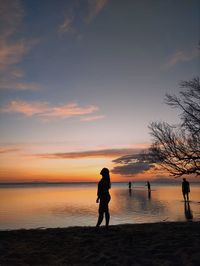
[{"x": 74, "y": 205}]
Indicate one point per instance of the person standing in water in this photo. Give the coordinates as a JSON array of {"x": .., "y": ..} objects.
[
  {"x": 185, "y": 189},
  {"x": 149, "y": 187},
  {"x": 130, "y": 188},
  {"x": 103, "y": 196}
]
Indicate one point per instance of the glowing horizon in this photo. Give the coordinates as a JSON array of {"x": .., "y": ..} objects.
[{"x": 60, "y": 166}]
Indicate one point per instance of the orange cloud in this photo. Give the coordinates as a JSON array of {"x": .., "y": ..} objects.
[
  {"x": 28, "y": 109},
  {"x": 92, "y": 118},
  {"x": 12, "y": 53},
  {"x": 70, "y": 110},
  {"x": 2, "y": 151},
  {"x": 44, "y": 110}
]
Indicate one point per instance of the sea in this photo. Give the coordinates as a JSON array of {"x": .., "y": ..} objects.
[{"x": 52, "y": 205}]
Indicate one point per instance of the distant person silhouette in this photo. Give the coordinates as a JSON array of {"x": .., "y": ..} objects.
[
  {"x": 149, "y": 186},
  {"x": 130, "y": 188},
  {"x": 103, "y": 196},
  {"x": 188, "y": 212},
  {"x": 149, "y": 189},
  {"x": 185, "y": 189}
]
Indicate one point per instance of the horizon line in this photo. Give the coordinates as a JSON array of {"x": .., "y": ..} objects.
[{"x": 90, "y": 182}]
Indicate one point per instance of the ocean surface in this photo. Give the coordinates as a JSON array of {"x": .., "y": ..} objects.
[{"x": 63, "y": 205}]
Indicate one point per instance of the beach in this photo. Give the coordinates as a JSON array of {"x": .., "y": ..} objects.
[{"x": 166, "y": 243}]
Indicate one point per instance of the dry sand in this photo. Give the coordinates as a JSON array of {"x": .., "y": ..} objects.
[{"x": 130, "y": 244}]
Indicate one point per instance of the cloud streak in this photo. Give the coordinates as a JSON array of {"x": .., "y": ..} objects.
[
  {"x": 181, "y": 56},
  {"x": 11, "y": 53},
  {"x": 105, "y": 153},
  {"x": 45, "y": 110},
  {"x": 18, "y": 85},
  {"x": 12, "y": 49},
  {"x": 94, "y": 8},
  {"x": 8, "y": 150},
  {"x": 92, "y": 118},
  {"x": 67, "y": 25},
  {"x": 11, "y": 15}
]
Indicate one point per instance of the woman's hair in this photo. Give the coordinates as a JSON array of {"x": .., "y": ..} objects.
[{"x": 106, "y": 176}]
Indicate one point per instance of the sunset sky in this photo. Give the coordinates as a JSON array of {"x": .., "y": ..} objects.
[{"x": 80, "y": 81}]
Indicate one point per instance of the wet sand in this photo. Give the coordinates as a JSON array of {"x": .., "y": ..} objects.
[{"x": 129, "y": 244}]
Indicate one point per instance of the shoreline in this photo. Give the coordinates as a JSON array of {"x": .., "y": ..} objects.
[
  {"x": 102, "y": 226},
  {"x": 163, "y": 243}
]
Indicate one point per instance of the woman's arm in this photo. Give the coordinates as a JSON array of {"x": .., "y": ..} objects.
[{"x": 98, "y": 193}]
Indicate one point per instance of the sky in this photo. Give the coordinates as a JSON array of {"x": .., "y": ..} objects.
[{"x": 81, "y": 80}]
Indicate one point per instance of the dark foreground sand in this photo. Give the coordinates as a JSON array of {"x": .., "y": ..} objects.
[{"x": 139, "y": 244}]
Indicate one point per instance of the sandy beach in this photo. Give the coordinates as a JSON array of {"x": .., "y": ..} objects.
[{"x": 129, "y": 244}]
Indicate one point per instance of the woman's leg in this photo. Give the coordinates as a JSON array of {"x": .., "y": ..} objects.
[
  {"x": 101, "y": 211},
  {"x": 107, "y": 218},
  {"x": 100, "y": 219},
  {"x": 107, "y": 213}
]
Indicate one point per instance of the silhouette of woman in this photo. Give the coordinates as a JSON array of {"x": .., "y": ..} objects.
[{"x": 103, "y": 195}]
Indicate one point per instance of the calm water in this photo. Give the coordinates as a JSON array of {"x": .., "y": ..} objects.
[{"x": 74, "y": 205}]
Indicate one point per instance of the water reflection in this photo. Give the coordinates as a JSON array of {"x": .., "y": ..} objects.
[
  {"x": 137, "y": 207},
  {"x": 188, "y": 211},
  {"x": 149, "y": 194},
  {"x": 61, "y": 206}
]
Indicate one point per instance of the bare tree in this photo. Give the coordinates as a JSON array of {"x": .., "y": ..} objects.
[{"x": 177, "y": 148}]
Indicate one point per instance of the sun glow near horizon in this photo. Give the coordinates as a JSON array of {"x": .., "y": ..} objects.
[{"x": 16, "y": 165}]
